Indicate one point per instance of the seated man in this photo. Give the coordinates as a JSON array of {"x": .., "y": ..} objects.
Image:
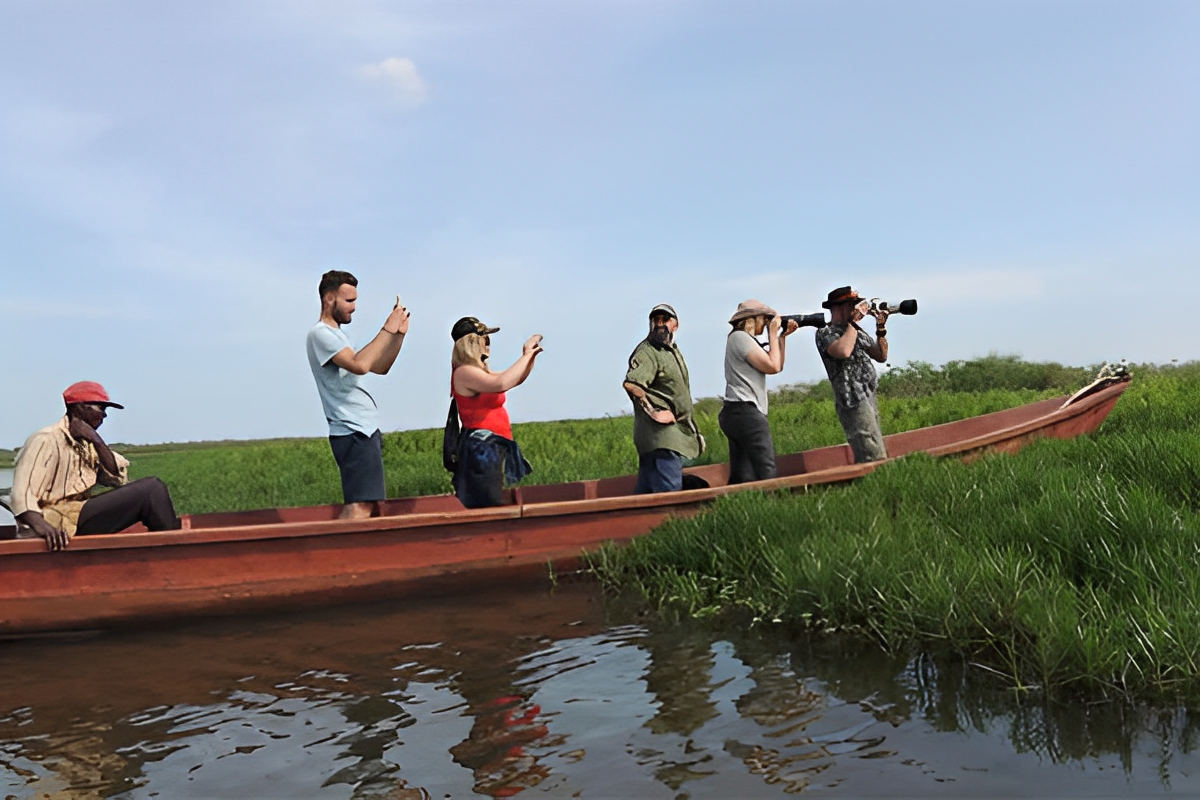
[{"x": 59, "y": 466}]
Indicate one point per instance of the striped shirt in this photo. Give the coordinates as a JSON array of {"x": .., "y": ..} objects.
[{"x": 55, "y": 474}]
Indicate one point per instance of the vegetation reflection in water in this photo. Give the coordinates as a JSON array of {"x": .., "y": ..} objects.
[{"x": 545, "y": 695}]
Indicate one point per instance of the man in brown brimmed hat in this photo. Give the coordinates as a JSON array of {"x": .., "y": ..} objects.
[
  {"x": 664, "y": 431},
  {"x": 59, "y": 467},
  {"x": 847, "y": 351}
]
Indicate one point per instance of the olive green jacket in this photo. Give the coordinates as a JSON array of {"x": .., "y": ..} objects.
[{"x": 663, "y": 374}]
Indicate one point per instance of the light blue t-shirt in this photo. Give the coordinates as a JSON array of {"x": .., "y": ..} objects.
[{"x": 348, "y": 406}]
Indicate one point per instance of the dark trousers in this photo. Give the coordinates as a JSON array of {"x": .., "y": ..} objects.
[
  {"x": 145, "y": 500},
  {"x": 751, "y": 450},
  {"x": 659, "y": 471}
]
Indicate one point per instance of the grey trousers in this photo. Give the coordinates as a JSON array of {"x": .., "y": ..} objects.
[{"x": 863, "y": 432}]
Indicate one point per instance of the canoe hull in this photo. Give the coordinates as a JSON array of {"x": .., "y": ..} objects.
[{"x": 279, "y": 558}]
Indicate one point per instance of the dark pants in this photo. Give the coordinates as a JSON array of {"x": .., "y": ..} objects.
[
  {"x": 360, "y": 461},
  {"x": 751, "y": 450},
  {"x": 659, "y": 471},
  {"x": 145, "y": 500}
]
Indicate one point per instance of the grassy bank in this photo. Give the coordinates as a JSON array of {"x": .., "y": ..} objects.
[{"x": 1074, "y": 565}]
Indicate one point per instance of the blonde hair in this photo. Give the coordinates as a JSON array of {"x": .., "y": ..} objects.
[
  {"x": 469, "y": 350},
  {"x": 749, "y": 324}
]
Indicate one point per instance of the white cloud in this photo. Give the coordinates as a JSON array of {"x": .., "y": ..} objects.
[{"x": 401, "y": 77}]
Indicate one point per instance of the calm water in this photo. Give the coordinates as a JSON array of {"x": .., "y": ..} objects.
[{"x": 541, "y": 695}]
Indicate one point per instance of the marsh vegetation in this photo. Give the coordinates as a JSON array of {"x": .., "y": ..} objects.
[{"x": 1072, "y": 567}]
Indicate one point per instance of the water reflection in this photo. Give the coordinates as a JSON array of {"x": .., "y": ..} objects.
[{"x": 542, "y": 695}]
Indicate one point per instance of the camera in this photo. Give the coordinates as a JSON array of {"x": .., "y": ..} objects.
[
  {"x": 804, "y": 320},
  {"x": 906, "y": 307}
]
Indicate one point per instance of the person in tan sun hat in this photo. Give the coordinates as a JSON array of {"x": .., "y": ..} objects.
[{"x": 748, "y": 362}]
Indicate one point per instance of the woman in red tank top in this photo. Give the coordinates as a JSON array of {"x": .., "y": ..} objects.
[{"x": 487, "y": 453}]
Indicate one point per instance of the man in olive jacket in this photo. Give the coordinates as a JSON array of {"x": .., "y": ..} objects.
[{"x": 664, "y": 430}]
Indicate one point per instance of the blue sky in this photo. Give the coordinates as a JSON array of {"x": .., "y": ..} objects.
[{"x": 174, "y": 178}]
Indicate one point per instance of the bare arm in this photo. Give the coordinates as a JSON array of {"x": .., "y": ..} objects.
[
  {"x": 770, "y": 362},
  {"x": 661, "y": 415},
  {"x": 380, "y": 353},
  {"x": 55, "y": 539},
  {"x": 879, "y": 350},
  {"x": 108, "y": 462},
  {"x": 471, "y": 380},
  {"x": 843, "y": 346}
]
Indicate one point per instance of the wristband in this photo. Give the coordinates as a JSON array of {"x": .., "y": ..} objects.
[{"x": 881, "y": 332}]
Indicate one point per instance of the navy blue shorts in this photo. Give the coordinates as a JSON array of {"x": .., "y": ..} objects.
[{"x": 360, "y": 460}]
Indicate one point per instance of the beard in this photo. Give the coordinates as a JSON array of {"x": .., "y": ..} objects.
[
  {"x": 340, "y": 315},
  {"x": 660, "y": 335}
]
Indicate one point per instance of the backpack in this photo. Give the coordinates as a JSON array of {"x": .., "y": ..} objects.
[{"x": 450, "y": 439}]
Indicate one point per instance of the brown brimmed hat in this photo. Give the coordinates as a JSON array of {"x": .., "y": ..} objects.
[
  {"x": 751, "y": 308},
  {"x": 468, "y": 325},
  {"x": 842, "y": 294}
]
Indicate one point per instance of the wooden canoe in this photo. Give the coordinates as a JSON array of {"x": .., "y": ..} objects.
[{"x": 274, "y": 558}]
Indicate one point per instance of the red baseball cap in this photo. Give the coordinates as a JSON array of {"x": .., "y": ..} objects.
[{"x": 88, "y": 392}]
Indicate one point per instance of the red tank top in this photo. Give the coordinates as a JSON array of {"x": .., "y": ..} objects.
[{"x": 484, "y": 411}]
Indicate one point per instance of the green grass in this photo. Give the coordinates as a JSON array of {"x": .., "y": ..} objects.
[
  {"x": 226, "y": 476},
  {"x": 1072, "y": 566},
  {"x": 240, "y": 475}
]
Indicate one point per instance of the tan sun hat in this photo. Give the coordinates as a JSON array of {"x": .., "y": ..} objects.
[{"x": 751, "y": 308}]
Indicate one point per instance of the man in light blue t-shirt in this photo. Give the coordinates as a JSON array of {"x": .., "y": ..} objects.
[{"x": 354, "y": 433}]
